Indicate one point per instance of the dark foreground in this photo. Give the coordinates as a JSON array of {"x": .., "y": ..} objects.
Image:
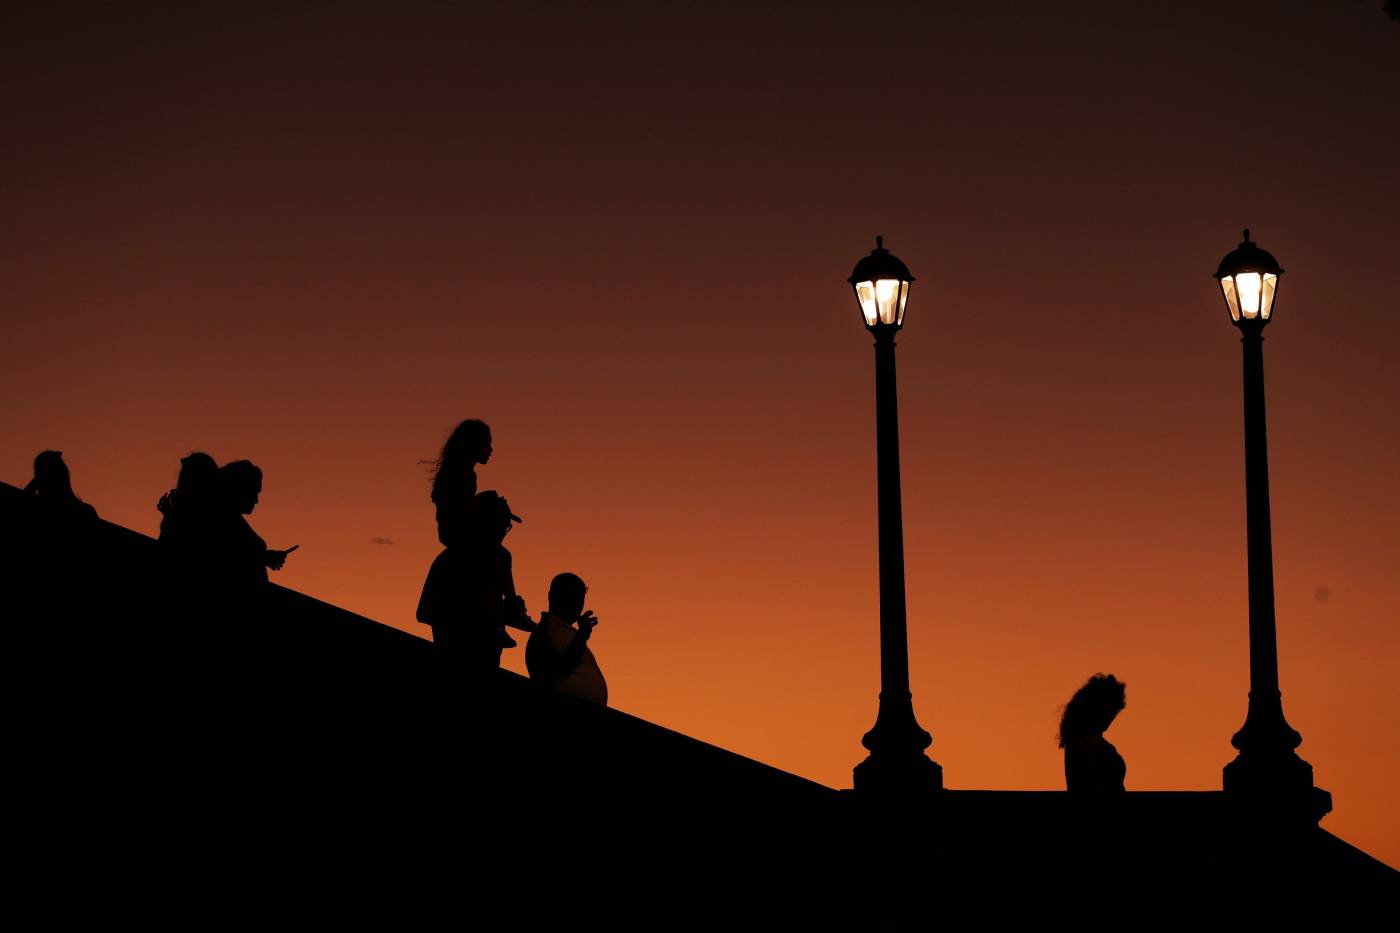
[{"x": 172, "y": 757}]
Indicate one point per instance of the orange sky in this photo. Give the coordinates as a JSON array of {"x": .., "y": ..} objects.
[{"x": 317, "y": 239}]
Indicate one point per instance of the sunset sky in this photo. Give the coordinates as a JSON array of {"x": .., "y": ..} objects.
[{"x": 319, "y": 235}]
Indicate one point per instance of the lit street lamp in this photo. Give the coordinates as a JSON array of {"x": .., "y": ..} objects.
[
  {"x": 1249, "y": 278},
  {"x": 896, "y": 762}
]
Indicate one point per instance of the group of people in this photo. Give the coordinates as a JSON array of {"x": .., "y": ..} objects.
[
  {"x": 203, "y": 525},
  {"x": 205, "y": 529},
  {"x": 469, "y": 597}
]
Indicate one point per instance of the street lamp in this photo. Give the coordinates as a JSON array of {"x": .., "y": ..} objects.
[
  {"x": 1249, "y": 279},
  {"x": 896, "y": 743}
]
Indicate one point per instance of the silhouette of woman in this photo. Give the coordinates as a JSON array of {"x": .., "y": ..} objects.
[
  {"x": 1092, "y": 764},
  {"x": 55, "y": 560},
  {"x": 243, "y": 555},
  {"x": 454, "y": 477},
  {"x": 187, "y": 509},
  {"x": 469, "y": 596},
  {"x": 52, "y": 486}
]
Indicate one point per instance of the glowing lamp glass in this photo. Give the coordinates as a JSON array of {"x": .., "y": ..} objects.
[
  {"x": 1249, "y": 295},
  {"x": 882, "y": 301}
]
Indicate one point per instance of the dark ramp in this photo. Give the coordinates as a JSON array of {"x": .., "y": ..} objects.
[{"x": 313, "y": 736}]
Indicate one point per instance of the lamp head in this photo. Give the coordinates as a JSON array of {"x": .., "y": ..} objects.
[
  {"x": 1249, "y": 278},
  {"x": 881, "y": 282}
]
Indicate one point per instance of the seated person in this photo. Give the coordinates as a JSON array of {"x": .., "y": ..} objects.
[
  {"x": 557, "y": 653},
  {"x": 52, "y": 540},
  {"x": 52, "y": 487}
]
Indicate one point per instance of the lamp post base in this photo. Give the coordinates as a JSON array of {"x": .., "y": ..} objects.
[
  {"x": 1275, "y": 791},
  {"x": 910, "y": 773},
  {"x": 897, "y": 764},
  {"x": 1276, "y": 787},
  {"x": 1280, "y": 771},
  {"x": 1267, "y": 762}
]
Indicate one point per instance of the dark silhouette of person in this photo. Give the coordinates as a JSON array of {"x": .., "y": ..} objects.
[
  {"x": 59, "y": 541},
  {"x": 244, "y": 558},
  {"x": 557, "y": 653},
  {"x": 454, "y": 477},
  {"x": 189, "y": 532},
  {"x": 1092, "y": 764},
  {"x": 52, "y": 488},
  {"x": 469, "y": 596},
  {"x": 187, "y": 510},
  {"x": 64, "y": 575}
]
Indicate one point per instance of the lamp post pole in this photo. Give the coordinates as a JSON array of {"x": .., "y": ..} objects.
[
  {"x": 896, "y": 763},
  {"x": 1267, "y": 762}
]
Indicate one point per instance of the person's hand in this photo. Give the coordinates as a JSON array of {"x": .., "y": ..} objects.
[
  {"x": 164, "y": 506},
  {"x": 586, "y": 623},
  {"x": 275, "y": 559}
]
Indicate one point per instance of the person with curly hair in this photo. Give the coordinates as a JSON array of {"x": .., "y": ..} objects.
[{"x": 1092, "y": 764}]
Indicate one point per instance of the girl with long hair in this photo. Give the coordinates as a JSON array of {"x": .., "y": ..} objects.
[
  {"x": 1092, "y": 764},
  {"x": 454, "y": 477}
]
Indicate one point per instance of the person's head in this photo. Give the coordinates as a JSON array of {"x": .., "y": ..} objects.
[
  {"x": 1092, "y": 708},
  {"x": 490, "y": 517},
  {"x": 51, "y": 477},
  {"x": 467, "y": 445},
  {"x": 199, "y": 475},
  {"x": 241, "y": 483},
  {"x": 566, "y": 593}
]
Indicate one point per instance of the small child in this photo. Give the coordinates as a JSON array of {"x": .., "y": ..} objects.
[{"x": 558, "y": 653}]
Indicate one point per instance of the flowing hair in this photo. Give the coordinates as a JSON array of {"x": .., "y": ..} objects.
[
  {"x": 1093, "y": 707},
  {"x": 464, "y": 441}
]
